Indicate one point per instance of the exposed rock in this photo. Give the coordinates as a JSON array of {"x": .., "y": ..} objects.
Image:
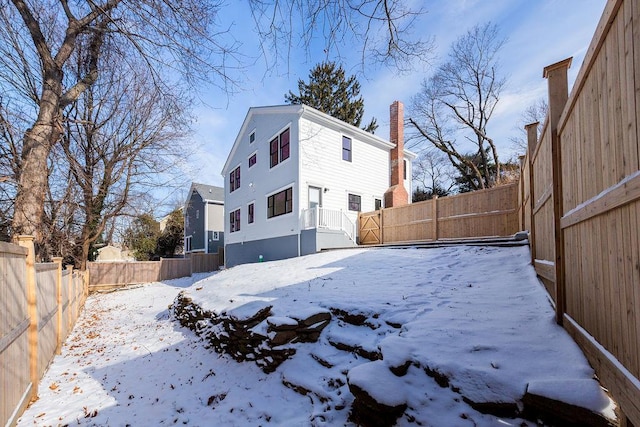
[
  {"x": 498, "y": 409},
  {"x": 441, "y": 379},
  {"x": 367, "y": 354},
  {"x": 538, "y": 404},
  {"x": 377, "y": 391},
  {"x": 295, "y": 387},
  {"x": 323, "y": 316},
  {"x": 250, "y": 332},
  {"x": 400, "y": 370},
  {"x": 357, "y": 319},
  {"x": 366, "y": 411}
]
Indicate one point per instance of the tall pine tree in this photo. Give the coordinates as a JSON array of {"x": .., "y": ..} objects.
[{"x": 332, "y": 93}]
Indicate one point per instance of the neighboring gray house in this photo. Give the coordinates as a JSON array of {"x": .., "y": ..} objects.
[
  {"x": 296, "y": 180},
  {"x": 204, "y": 219}
]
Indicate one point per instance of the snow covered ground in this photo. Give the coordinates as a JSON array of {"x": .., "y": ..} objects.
[{"x": 476, "y": 316}]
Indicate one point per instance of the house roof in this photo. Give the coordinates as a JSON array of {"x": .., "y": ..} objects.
[
  {"x": 209, "y": 193},
  {"x": 314, "y": 115}
]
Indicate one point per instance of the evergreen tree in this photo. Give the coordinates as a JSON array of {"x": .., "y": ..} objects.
[
  {"x": 332, "y": 93},
  {"x": 421, "y": 194},
  {"x": 142, "y": 237},
  {"x": 171, "y": 237}
]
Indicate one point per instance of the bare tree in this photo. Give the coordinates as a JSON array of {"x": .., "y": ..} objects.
[
  {"x": 432, "y": 173},
  {"x": 458, "y": 101},
  {"x": 164, "y": 34},
  {"x": 175, "y": 40},
  {"x": 377, "y": 30},
  {"x": 120, "y": 136},
  {"x": 536, "y": 112}
]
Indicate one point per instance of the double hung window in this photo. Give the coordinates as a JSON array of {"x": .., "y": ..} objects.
[
  {"x": 280, "y": 203},
  {"x": 234, "y": 179},
  {"x": 234, "y": 221},
  {"x": 279, "y": 148}
]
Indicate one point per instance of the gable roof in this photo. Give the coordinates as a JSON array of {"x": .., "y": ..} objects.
[
  {"x": 312, "y": 114},
  {"x": 209, "y": 193}
]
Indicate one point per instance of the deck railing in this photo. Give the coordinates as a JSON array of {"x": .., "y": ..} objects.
[{"x": 330, "y": 219}]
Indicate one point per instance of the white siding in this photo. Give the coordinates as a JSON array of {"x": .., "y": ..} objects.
[
  {"x": 409, "y": 174},
  {"x": 315, "y": 160},
  {"x": 259, "y": 181},
  {"x": 321, "y": 165}
]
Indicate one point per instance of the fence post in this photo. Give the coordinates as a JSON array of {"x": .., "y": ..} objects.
[
  {"x": 558, "y": 88},
  {"x": 532, "y": 141},
  {"x": 522, "y": 195},
  {"x": 435, "y": 216},
  {"x": 381, "y": 225},
  {"x": 32, "y": 310},
  {"x": 58, "y": 261}
]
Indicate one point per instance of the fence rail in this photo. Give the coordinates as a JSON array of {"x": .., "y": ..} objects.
[{"x": 38, "y": 307}]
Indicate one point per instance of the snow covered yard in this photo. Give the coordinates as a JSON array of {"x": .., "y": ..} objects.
[{"x": 444, "y": 335}]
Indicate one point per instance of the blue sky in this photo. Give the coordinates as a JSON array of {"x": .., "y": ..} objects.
[{"x": 538, "y": 33}]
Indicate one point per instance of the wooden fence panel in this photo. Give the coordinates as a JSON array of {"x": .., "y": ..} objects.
[
  {"x": 172, "y": 268},
  {"x": 47, "y": 300},
  {"x": 31, "y": 327},
  {"x": 66, "y": 300},
  {"x": 524, "y": 199},
  {"x": 408, "y": 223},
  {"x": 491, "y": 212},
  {"x": 108, "y": 274},
  {"x": 203, "y": 263},
  {"x": 600, "y": 152},
  {"x": 14, "y": 321},
  {"x": 75, "y": 297},
  {"x": 542, "y": 201},
  {"x": 486, "y": 213}
]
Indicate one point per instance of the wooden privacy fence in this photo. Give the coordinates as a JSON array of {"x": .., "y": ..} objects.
[
  {"x": 107, "y": 275},
  {"x": 580, "y": 194},
  {"x": 39, "y": 304},
  {"x": 491, "y": 212}
]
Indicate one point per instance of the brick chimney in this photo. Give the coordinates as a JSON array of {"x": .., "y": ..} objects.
[{"x": 396, "y": 195}]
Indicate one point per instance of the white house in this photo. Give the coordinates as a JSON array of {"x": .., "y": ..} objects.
[
  {"x": 204, "y": 219},
  {"x": 296, "y": 179}
]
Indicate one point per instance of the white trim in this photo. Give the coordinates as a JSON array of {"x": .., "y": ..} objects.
[
  {"x": 350, "y": 148},
  {"x": 277, "y": 136},
  {"x": 239, "y": 165},
  {"x": 239, "y": 208},
  {"x": 255, "y": 152},
  {"x": 354, "y": 194},
  {"x": 252, "y": 202},
  {"x": 291, "y": 185},
  {"x": 381, "y": 201},
  {"x": 188, "y": 247},
  {"x": 206, "y": 229}
]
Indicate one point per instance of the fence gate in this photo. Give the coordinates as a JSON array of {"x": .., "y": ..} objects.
[{"x": 370, "y": 230}]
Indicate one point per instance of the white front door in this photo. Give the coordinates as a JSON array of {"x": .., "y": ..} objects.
[{"x": 315, "y": 197}]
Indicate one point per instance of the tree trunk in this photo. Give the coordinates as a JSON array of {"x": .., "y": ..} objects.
[{"x": 33, "y": 180}]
